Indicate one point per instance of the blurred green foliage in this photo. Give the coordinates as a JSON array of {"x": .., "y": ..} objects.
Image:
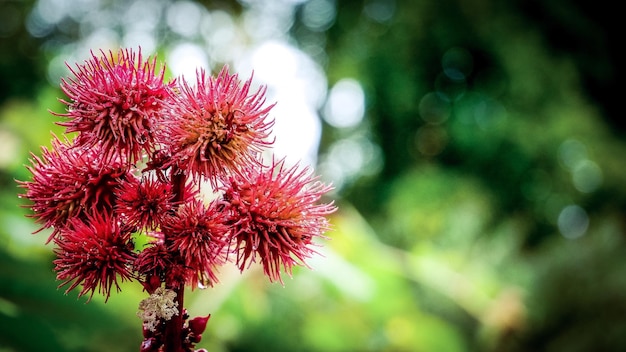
[{"x": 490, "y": 219}]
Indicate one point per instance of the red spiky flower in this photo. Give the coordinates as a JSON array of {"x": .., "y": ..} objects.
[
  {"x": 197, "y": 232},
  {"x": 69, "y": 180},
  {"x": 114, "y": 100},
  {"x": 275, "y": 216},
  {"x": 143, "y": 202},
  {"x": 94, "y": 252},
  {"x": 215, "y": 126},
  {"x": 156, "y": 264}
]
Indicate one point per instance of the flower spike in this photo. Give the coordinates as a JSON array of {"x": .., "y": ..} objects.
[
  {"x": 214, "y": 127},
  {"x": 69, "y": 180},
  {"x": 94, "y": 252},
  {"x": 114, "y": 100},
  {"x": 275, "y": 216}
]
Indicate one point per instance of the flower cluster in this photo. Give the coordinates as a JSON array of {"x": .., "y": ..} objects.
[
  {"x": 160, "y": 305},
  {"x": 141, "y": 149}
]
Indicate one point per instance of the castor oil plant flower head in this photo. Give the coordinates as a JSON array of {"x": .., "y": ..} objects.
[
  {"x": 95, "y": 251},
  {"x": 198, "y": 233},
  {"x": 275, "y": 214},
  {"x": 215, "y": 126},
  {"x": 156, "y": 264},
  {"x": 144, "y": 201},
  {"x": 114, "y": 100},
  {"x": 68, "y": 180}
]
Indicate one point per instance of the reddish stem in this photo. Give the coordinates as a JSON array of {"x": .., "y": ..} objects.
[{"x": 173, "y": 329}]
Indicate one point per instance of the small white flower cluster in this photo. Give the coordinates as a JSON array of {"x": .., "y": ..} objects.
[{"x": 160, "y": 305}]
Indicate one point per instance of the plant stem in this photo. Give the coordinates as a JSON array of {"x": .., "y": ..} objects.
[{"x": 173, "y": 328}]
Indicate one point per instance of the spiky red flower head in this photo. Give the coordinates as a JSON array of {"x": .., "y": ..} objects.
[
  {"x": 68, "y": 181},
  {"x": 114, "y": 100},
  {"x": 275, "y": 216},
  {"x": 94, "y": 252},
  {"x": 156, "y": 264},
  {"x": 145, "y": 201},
  {"x": 217, "y": 125},
  {"x": 198, "y": 233}
]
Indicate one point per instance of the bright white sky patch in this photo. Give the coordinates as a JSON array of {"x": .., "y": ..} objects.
[
  {"x": 186, "y": 59},
  {"x": 184, "y": 17},
  {"x": 298, "y": 86},
  {"x": 346, "y": 104}
]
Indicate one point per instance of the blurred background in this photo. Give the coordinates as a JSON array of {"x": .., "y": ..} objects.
[{"x": 476, "y": 147}]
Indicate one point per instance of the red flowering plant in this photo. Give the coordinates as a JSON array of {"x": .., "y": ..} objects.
[{"x": 141, "y": 149}]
